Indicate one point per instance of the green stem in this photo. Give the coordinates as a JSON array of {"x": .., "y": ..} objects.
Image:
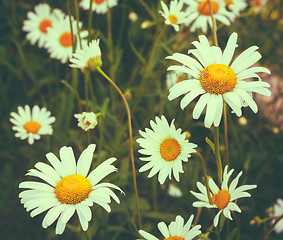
[
  {"x": 214, "y": 28},
  {"x": 217, "y": 154},
  {"x": 71, "y": 25},
  {"x": 86, "y": 74},
  {"x": 205, "y": 175},
  {"x": 226, "y": 135},
  {"x": 154, "y": 194},
  {"x": 89, "y": 26},
  {"x": 87, "y": 235},
  {"x": 151, "y": 13},
  {"x": 130, "y": 138},
  {"x": 78, "y": 22}
]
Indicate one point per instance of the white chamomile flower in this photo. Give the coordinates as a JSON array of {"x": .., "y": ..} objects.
[
  {"x": 167, "y": 147},
  {"x": 86, "y": 120},
  {"x": 235, "y": 6},
  {"x": 174, "y": 77},
  {"x": 223, "y": 198},
  {"x": 89, "y": 57},
  {"x": 277, "y": 211},
  {"x": 60, "y": 42},
  {"x": 198, "y": 12},
  {"x": 216, "y": 79},
  {"x": 68, "y": 188},
  {"x": 173, "y": 15},
  {"x": 99, "y": 6},
  {"x": 31, "y": 123},
  {"x": 39, "y": 22},
  {"x": 176, "y": 230}
]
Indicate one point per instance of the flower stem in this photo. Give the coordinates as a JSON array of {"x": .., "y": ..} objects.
[
  {"x": 214, "y": 27},
  {"x": 89, "y": 26},
  {"x": 78, "y": 23},
  {"x": 71, "y": 25},
  {"x": 87, "y": 235},
  {"x": 226, "y": 135},
  {"x": 131, "y": 141},
  {"x": 205, "y": 175},
  {"x": 217, "y": 154}
]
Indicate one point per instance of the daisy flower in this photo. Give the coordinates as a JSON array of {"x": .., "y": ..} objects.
[
  {"x": 99, "y": 6},
  {"x": 166, "y": 147},
  {"x": 235, "y": 6},
  {"x": 173, "y": 15},
  {"x": 89, "y": 57},
  {"x": 223, "y": 198},
  {"x": 176, "y": 230},
  {"x": 59, "y": 43},
  {"x": 258, "y": 5},
  {"x": 39, "y": 22},
  {"x": 174, "y": 77},
  {"x": 198, "y": 12},
  {"x": 86, "y": 120},
  {"x": 68, "y": 188},
  {"x": 216, "y": 79},
  {"x": 31, "y": 123},
  {"x": 277, "y": 211}
]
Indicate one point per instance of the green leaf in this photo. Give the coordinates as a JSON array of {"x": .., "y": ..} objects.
[{"x": 210, "y": 143}]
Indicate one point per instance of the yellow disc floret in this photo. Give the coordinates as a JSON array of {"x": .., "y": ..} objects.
[
  {"x": 44, "y": 24},
  {"x": 218, "y": 79},
  {"x": 173, "y": 19},
  {"x": 174, "y": 238},
  {"x": 221, "y": 199},
  {"x": 204, "y": 9},
  {"x": 73, "y": 189},
  {"x": 170, "y": 149},
  {"x": 32, "y": 127},
  {"x": 66, "y": 39}
]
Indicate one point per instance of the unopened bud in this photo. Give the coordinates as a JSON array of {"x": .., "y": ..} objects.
[
  {"x": 133, "y": 16},
  {"x": 242, "y": 121},
  {"x": 128, "y": 94},
  {"x": 188, "y": 135},
  {"x": 256, "y": 220},
  {"x": 146, "y": 24}
]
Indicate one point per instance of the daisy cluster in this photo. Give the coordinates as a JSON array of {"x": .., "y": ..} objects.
[{"x": 196, "y": 13}]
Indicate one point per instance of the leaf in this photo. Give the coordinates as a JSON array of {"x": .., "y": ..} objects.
[{"x": 210, "y": 143}]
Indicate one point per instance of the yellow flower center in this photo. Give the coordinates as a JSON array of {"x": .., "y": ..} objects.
[
  {"x": 173, "y": 19},
  {"x": 93, "y": 63},
  {"x": 221, "y": 199},
  {"x": 98, "y": 1},
  {"x": 174, "y": 238},
  {"x": 170, "y": 149},
  {"x": 44, "y": 24},
  {"x": 73, "y": 189},
  {"x": 218, "y": 79},
  {"x": 204, "y": 9},
  {"x": 66, "y": 39},
  {"x": 32, "y": 127}
]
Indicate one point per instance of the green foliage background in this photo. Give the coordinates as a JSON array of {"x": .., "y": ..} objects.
[{"x": 29, "y": 76}]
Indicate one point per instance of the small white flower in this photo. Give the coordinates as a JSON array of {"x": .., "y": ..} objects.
[
  {"x": 174, "y": 191},
  {"x": 173, "y": 15},
  {"x": 166, "y": 147},
  {"x": 277, "y": 211},
  {"x": 86, "y": 120},
  {"x": 99, "y": 6},
  {"x": 68, "y": 188},
  {"x": 60, "y": 42},
  {"x": 31, "y": 124},
  {"x": 198, "y": 12},
  {"x": 215, "y": 79},
  {"x": 223, "y": 198},
  {"x": 177, "y": 230},
  {"x": 89, "y": 57},
  {"x": 39, "y": 22}
]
